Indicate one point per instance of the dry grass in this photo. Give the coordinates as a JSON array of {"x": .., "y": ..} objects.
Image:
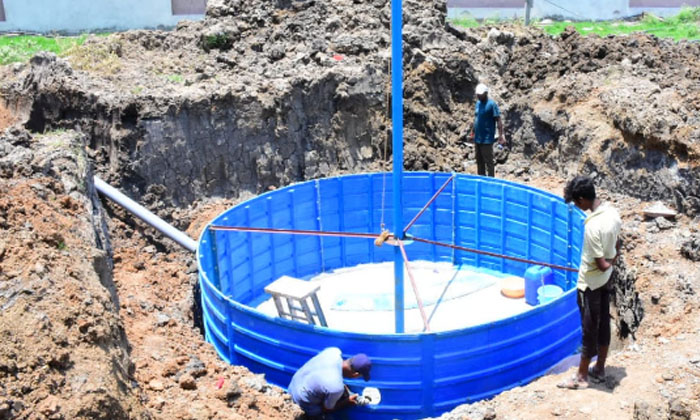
[{"x": 101, "y": 58}]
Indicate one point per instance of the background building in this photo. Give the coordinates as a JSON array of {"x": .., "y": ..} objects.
[{"x": 75, "y": 16}]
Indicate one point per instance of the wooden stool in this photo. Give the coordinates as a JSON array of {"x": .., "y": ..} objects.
[{"x": 296, "y": 292}]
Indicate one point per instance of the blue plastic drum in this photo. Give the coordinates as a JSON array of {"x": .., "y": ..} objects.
[{"x": 535, "y": 277}]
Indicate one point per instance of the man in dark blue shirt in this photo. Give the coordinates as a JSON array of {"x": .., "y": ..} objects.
[{"x": 484, "y": 130}]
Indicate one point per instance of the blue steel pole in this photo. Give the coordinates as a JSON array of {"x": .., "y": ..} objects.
[{"x": 397, "y": 146}]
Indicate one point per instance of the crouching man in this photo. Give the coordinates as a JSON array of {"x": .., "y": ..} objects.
[{"x": 318, "y": 388}]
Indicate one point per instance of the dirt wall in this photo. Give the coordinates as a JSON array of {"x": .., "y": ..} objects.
[{"x": 64, "y": 353}]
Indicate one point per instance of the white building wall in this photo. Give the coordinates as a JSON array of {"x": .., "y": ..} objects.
[
  {"x": 581, "y": 10},
  {"x": 486, "y": 12},
  {"x": 76, "y": 16},
  {"x": 657, "y": 11}
]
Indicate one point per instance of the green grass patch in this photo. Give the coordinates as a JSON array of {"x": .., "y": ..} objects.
[
  {"x": 687, "y": 15},
  {"x": 175, "y": 78},
  {"x": 16, "y": 49},
  {"x": 684, "y": 25},
  {"x": 219, "y": 41},
  {"x": 466, "y": 20}
]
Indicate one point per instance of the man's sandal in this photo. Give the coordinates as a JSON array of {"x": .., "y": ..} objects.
[
  {"x": 595, "y": 376},
  {"x": 573, "y": 383}
]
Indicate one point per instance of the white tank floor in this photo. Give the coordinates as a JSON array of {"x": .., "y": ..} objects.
[{"x": 361, "y": 298}]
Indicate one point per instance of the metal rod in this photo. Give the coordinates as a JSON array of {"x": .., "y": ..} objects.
[
  {"x": 415, "y": 288},
  {"x": 493, "y": 254},
  {"x": 295, "y": 231},
  {"x": 145, "y": 215},
  {"x": 408, "y": 226},
  {"x": 391, "y": 239}
]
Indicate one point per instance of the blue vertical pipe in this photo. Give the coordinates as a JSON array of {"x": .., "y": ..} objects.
[{"x": 397, "y": 147}]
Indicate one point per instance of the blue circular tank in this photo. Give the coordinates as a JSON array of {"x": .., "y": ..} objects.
[{"x": 419, "y": 375}]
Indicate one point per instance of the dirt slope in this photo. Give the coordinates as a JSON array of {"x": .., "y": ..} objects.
[
  {"x": 63, "y": 353},
  {"x": 182, "y": 376}
]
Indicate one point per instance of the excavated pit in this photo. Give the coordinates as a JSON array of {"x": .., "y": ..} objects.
[{"x": 301, "y": 92}]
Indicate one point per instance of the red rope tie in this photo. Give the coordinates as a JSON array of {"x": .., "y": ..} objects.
[{"x": 295, "y": 231}]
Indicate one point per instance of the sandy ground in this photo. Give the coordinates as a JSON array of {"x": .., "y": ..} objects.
[{"x": 6, "y": 117}]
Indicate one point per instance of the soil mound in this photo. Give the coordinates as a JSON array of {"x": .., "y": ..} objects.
[{"x": 64, "y": 353}]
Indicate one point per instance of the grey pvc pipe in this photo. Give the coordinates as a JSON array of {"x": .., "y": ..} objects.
[{"x": 145, "y": 215}]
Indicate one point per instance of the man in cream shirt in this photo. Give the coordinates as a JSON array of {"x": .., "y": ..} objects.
[{"x": 600, "y": 251}]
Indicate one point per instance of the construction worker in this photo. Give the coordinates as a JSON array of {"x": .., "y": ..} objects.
[
  {"x": 484, "y": 130},
  {"x": 601, "y": 248},
  {"x": 318, "y": 388}
]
